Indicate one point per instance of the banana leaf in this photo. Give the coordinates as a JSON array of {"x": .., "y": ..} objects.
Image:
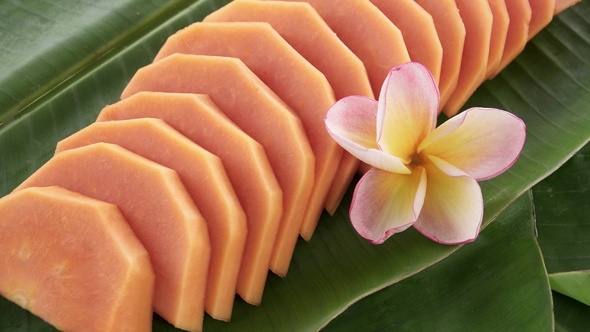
[
  {"x": 570, "y": 315},
  {"x": 560, "y": 221},
  {"x": 101, "y": 45},
  {"x": 498, "y": 283},
  {"x": 562, "y": 211},
  {"x": 575, "y": 284}
]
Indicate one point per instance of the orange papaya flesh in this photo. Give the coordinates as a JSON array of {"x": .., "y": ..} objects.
[
  {"x": 561, "y": 5},
  {"x": 368, "y": 33},
  {"x": 305, "y": 30},
  {"x": 477, "y": 18},
  {"x": 541, "y": 14},
  {"x": 74, "y": 261},
  {"x": 520, "y": 14},
  {"x": 204, "y": 177},
  {"x": 451, "y": 32},
  {"x": 250, "y": 104},
  {"x": 423, "y": 44},
  {"x": 300, "y": 85},
  {"x": 158, "y": 208},
  {"x": 199, "y": 119},
  {"x": 499, "y": 34}
]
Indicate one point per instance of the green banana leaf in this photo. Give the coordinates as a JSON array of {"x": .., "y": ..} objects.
[
  {"x": 44, "y": 43},
  {"x": 498, "y": 283},
  {"x": 561, "y": 222},
  {"x": 570, "y": 315},
  {"x": 548, "y": 86},
  {"x": 575, "y": 284},
  {"x": 562, "y": 212}
]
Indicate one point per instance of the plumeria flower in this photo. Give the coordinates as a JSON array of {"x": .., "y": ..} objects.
[{"x": 422, "y": 176}]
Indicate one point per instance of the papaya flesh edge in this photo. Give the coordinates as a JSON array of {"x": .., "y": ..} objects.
[
  {"x": 259, "y": 113},
  {"x": 307, "y": 93},
  {"x": 85, "y": 271},
  {"x": 199, "y": 119},
  {"x": 204, "y": 177},
  {"x": 150, "y": 197}
]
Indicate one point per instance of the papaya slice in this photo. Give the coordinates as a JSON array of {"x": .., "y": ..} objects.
[
  {"x": 368, "y": 33},
  {"x": 423, "y": 43},
  {"x": 499, "y": 34},
  {"x": 346, "y": 169},
  {"x": 158, "y": 208},
  {"x": 199, "y": 119},
  {"x": 205, "y": 180},
  {"x": 85, "y": 271},
  {"x": 541, "y": 14},
  {"x": 300, "y": 85},
  {"x": 250, "y": 104},
  {"x": 518, "y": 31},
  {"x": 451, "y": 32},
  {"x": 477, "y": 18},
  {"x": 304, "y": 29},
  {"x": 561, "y": 5}
]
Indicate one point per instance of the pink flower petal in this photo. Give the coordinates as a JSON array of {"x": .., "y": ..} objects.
[
  {"x": 351, "y": 121},
  {"x": 385, "y": 203},
  {"x": 481, "y": 142},
  {"x": 453, "y": 208},
  {"x": 408, "y": 107}
]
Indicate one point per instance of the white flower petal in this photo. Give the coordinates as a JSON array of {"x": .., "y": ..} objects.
[
  {"x": 453, "y": 208},
  {"x": 351, "y": 121},
  {"x": 386, "y": 203},
  {"x": 481, "y": 142},
  {"x": 407, "y": 111}
]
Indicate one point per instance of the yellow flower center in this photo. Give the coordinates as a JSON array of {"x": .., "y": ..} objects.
[{"x": 416, "y": 160}]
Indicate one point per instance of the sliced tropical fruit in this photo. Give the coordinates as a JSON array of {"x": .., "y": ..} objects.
[
  {"x": 304, "y": 29},
  {"x": 418, "y": 30},
  {"x": 158, "y": 208},
  {"x": 205, "y": 180},
  {"x": 346, "y": 169},
  {"x": 250, "y": 104},
  {"x": 199, "y": 119},
  {"x": 518, "y": 31},
  {"x": 541, "y": 14},
  {"x": 477, "y": 18},
  {"x": 368, "y": 33},
  {"x": 561, "y": 5},
  {"x": 451, "y": 32},
  {"x": 499, "y": 34},
  {"x": 299, "y": 84},
  {"x": 74, "y": 261}
]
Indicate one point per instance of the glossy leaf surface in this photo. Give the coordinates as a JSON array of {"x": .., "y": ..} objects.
[
  {"x": 575, "y": 284},
  {"x": 570, "y": 315},
  {"x": 45, "y": 42},
  {"x": 562, "y": 213},
  {"x": 497, "y": 283},
  {"x": 562, "y": 205}
]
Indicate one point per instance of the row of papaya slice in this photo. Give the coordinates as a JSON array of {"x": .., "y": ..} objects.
[{"x": 217, "y": 158}]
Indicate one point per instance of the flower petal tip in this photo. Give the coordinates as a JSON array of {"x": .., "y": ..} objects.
[
  {"x": 351, "y": 123},
  {"x": 387, "y": 235},
  {"x": 448, "y": 242},
  {"x": 384, "y": 203}
]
